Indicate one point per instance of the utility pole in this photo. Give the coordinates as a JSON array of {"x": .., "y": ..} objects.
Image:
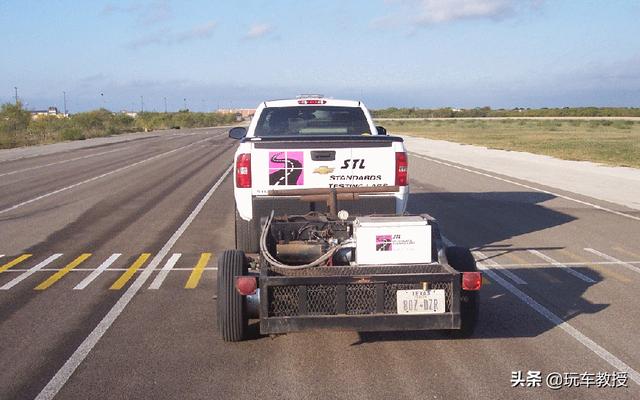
[
  {"x": 102, "y": 98},
  {"x": 165, "y": 105},
  {"x": 16, "y": 89},
  {"x": 185, "y": 104},
  {"x": 64, "y": 99},
  {"x": 141, "y": 104}
]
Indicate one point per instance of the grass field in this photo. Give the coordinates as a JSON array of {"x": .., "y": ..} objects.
[{"x": 607, "y": 142}]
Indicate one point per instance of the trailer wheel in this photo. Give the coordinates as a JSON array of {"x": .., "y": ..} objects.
[
  {"x": 232, "y": 310},
  {"x": 246, "y": 235},
  {"x": 461, "y": 259}
]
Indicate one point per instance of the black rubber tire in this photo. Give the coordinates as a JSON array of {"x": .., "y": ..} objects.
[
  {"x": 461, "y": 259},
  {"x": 247, "y": 236},
  {"x": 232, "y": 310}
]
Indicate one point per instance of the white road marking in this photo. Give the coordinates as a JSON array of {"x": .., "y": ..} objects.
[
  {"x": 30, "y": 272},
  {"x": 613, "y": 259},
  {"x": 96, "y": 272},
  {"x": 562, "y": 266},
  {"x": 64, "y": 373},
  {"x": 9, "y": 271},
  {"x": 559, "y": 322},
  {"x": 528, "y": 187},
  {"x": 58, "y": 162},
  {"x": 171, "y": 262},
  {"x": 98, "y": 177},
  {"x": 497, "y": 266}
]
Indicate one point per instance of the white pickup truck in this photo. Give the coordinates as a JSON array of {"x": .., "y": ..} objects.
[{"x": 300, "y": 148}]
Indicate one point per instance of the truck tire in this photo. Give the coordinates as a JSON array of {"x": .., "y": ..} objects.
[
  {"x": 247, "y": 236},
  {"x": 232, "y": 309},
  {"x": 461, "y": 259}
]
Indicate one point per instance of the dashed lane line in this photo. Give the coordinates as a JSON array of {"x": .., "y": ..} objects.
[
  {"x": 559, "y": 322},
  {"x": 497, "y": 266},
  {"x": 64, "y": 373},
  {"x": 60, "y": 274},
  {"x": 59, "y": 162},
  {"x": 562, "y": 266},
  {"x": 606, "y": 272},
  {"x": 26, "y": 202},
  {"x": 196, "y": 274},
  {"x": 128, "y": 274},
  {"x": 586, "y": 203},
  {"x": 30, "y": 271},
  {"x": 96, "y": 272},
  {"x": 14, "y": 262},
  {"x": 162, "y": 275},
  {"x": 613, "y": 259}
]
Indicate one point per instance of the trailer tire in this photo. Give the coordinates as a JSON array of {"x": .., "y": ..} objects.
[
  {"x": 232, "y": 309},
  {"x": 246, "y": 235},
  {"x": 461, "y": 259}
]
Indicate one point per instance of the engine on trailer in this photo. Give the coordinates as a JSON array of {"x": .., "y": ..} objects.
[
  {"x": 303, "y": 239},
  {"x": 317, "y": 239}
]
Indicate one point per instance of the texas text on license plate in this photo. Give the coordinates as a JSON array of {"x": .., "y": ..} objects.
[{"x": 420, "y": 301}]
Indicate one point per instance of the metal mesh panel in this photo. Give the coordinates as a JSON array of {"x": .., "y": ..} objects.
[
  {"x": 362, "y": 270},
  {"x": 390, "y": 289},
  {"x": 361, "y": 299},
  {"x": 321, "y": 299},
  {"x": 283, "y": 301}
]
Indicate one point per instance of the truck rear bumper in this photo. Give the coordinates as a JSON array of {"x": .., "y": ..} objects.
[{"x": 262, "y": 206}]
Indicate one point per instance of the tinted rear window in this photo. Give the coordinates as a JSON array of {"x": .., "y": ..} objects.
[{"x": 310, "y": 120}]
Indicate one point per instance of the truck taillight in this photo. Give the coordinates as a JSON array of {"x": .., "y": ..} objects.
[
  {"x": 402, "y": 169},
  {"x": 243, "y": 171}
]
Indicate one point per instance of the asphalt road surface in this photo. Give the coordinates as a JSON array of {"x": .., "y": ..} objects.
[{"x": 107, "y": 288}]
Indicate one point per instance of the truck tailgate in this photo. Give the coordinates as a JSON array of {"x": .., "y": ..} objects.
[{"x": 322, "y": 163}]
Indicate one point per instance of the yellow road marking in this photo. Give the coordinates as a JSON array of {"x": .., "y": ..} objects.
[
  {"x": 627, "y": 252},
  {"x": 124, "y": 278},
  {"x": 196, "y": 274},
  {"x": 520, "y": 260},
  {"x": 58, "y": 275},
  {"x": 600, "y": 268},
  {"x": 15, "y": 261}
]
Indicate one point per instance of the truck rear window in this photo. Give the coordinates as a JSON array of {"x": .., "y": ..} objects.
[{"x": 310, "y": 120}]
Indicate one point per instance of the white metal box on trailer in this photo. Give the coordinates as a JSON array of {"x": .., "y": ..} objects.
[{"x": 392, "y": 240}]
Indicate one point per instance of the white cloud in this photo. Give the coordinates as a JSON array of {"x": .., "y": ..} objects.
[
  {"x": 148, "y": 13},
  {"x": 430, "y": 12},
  {"x": 258, "y": 31},
  {"x": 169, "y": 37}
]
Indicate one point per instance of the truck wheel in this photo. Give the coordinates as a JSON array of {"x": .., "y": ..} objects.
[
  {"x": 461, "y": 260},
  {"x": 232, "y": 310},
  {"x": 247, "y": 235}
]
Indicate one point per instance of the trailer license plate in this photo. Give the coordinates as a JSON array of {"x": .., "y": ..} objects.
[{"x": 420, "y": 301}]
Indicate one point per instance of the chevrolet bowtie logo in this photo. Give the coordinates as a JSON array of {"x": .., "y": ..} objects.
[{"x": 323, "y": 170}]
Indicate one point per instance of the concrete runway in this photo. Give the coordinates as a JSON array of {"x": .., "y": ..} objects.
[{"x": 107, "y": 287}]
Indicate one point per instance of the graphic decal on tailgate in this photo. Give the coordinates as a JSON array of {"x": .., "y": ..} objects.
[{"x": 286, "y": 168}]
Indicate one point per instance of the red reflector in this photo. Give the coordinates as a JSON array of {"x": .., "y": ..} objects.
[
  {"x": 471, "y": 280},
  {"x": 243, "y": 171},
  {"x": 246, "y": 285},
  {"x": 402, "y": 169}
]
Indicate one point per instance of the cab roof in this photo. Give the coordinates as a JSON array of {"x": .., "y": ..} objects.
[{"x": 311, "y": 100}]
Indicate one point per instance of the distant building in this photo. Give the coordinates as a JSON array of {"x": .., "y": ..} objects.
[
  {"x": 242, "y": 112},
  {"x": 132, "y": 114},
  {"x": 50, "y": 112}
]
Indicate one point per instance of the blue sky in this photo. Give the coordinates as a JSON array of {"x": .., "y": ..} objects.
[{"x": 423, "y": 53}]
